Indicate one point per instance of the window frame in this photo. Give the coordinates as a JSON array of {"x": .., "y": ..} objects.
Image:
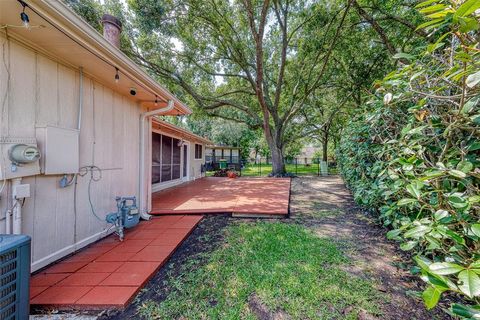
[{"x": 198, "y": 151}]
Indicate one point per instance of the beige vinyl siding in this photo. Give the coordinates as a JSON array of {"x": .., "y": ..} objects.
[{"x": 43, "y": 92}]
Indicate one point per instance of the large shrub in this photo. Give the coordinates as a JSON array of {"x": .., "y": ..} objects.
[{"x": 413, "y": 155}]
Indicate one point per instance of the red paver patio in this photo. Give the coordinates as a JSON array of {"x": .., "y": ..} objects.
[
  {"x": 109, "y": 273},
  {"x": 241, "y": 196}
]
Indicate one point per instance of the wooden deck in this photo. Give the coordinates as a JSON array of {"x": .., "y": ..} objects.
[{"x": 243, "y": 197}]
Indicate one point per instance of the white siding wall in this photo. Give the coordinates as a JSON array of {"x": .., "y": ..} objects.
[
  {"x": 196, "y": 164},
  {"x": 43, "y": 92}
]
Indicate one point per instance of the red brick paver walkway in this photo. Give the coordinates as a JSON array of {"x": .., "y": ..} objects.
[
  {"x": 254, "y": 196},
  {"x": 109, "y": 273}
]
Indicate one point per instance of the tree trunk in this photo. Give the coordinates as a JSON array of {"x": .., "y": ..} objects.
[
  {"x": 325, "y": 147},
  {"x": 278, "y": 162}
]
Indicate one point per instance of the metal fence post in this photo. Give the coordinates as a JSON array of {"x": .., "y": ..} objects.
[
  {"x": 296, "y": 166},
  {"x": 318, "y": 167},
  {"x": 260, "y": 168}
]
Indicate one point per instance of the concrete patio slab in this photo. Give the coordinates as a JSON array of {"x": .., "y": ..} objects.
[{"x": 109, "y": 273}]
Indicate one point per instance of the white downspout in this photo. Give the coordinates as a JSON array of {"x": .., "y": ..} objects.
[
  {"x": 141, "y": 187},
  {"x": 17, "y": 208},
  {"x": 8, "y": 220}
]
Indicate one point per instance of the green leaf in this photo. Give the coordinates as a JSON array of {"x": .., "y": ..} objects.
[
  {"x": 434, "y": 8},
  {"x": 470, "y": 104},
  {"x": 433, "y": 173},
  {"x": 475, "y": 118},
  {"x": 457, "y": 202},
  {"x": 455, "y": 236},
  {"x": 474, "y": 146},
  {"x": 430, "y": 24},
  {"x": 457, "y": 174},
  {"x": 465, "y": 311},
  {"x": 414, "y": 190},
  {"x": 433, "y": 243},
  {"x": 423, "y": 262},
  {"x": 394, "y": 234},
  {"x": 445, "y": 268},
  {"x": 470, "y": 283},
  {"x": 418, "y": 231},
  {"x": 467, "y": 8},
  {"x": 417, "y": 130},
  {"x": 431, "y": 296},
  {"x": 425, "y": 3},
  {"x": 467, "y": 24},
  {"x": 407, "y": 246},
  {"x": 440, "y": 214},
  {"x": 473, "y": 79},
  {"x": 405, "y": 201},
  {"x": 465, "y": 166},
  {"x": 474, "y": 199},
  {"x": 475, "y": 229}
]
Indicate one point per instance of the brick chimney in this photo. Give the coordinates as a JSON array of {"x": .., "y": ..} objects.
[{"x": 112, "y": 28}]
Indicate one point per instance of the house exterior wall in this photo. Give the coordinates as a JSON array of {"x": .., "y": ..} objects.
[{"x": 37, "y": 91}]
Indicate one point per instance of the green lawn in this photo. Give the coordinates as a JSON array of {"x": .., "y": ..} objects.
[
  {"x": 284, "y": 266},
  {"x": 264, "y": 169}
]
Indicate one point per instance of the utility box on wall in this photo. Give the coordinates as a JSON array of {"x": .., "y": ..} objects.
[
  {"x": 60, "y": 150},
  {"x": 18, "y": 157}
]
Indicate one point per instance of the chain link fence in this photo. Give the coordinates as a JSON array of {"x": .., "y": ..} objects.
[{"x": 262, "y": 167}]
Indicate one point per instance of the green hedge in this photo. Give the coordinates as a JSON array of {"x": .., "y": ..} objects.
[{"x": 413, "y": 155}]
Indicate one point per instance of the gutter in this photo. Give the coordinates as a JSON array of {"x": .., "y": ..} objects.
[{"x": 141, "y": 187}]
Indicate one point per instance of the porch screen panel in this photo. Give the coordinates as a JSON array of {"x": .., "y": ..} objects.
[
  {"x": 156, "y": 159},
  {"x": 176, "y": 159},
  {"x": 185, "y": 161},
  {"x": 166, "y": 158}
]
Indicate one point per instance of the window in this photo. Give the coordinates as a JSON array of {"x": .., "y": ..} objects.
[{"x": 198, "y": 151}]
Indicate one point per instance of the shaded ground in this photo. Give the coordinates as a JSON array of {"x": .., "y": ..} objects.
[{"x": 326, "y": 206}]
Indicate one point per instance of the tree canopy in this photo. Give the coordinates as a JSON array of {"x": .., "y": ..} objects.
[{"x": 265, "y": 63}]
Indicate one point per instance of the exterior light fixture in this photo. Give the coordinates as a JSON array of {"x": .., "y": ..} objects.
[
  {"x": 24, "y": 17},
  {"x": 117, "y": 76},
  {"x": 156, "y": 100}
]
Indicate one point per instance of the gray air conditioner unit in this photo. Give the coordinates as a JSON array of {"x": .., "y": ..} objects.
[{"x": 14, "y": 277}]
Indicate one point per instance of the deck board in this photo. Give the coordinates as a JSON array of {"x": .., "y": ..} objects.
[{"x": 248, "y": 196}]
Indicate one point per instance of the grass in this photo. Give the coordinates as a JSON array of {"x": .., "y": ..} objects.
[
  {"x": 284, "y": 266},
  {"x": 251, "y": 170}
]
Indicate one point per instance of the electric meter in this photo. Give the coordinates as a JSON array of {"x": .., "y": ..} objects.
[{"x": 23, "y": 154}]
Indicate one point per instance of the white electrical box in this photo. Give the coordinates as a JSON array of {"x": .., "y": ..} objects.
[
  {"x": 21, "y": 191},
  {"x": 60, "y": 150},
  {"x": 10, "y": 167}
]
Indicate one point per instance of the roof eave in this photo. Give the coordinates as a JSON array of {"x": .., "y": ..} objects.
[
  {"x": 82, "y": 32},
  {"x": 181, "y": 130}
]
